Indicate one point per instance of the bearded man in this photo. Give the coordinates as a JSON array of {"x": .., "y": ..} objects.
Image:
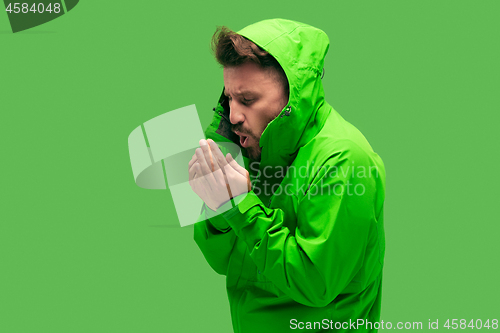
[{"x": 298, "y": 230}]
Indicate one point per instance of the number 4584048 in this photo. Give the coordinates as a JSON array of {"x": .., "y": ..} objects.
[
  {"x": 40, "y": 8},
  {"x": 463, "y": 324}
]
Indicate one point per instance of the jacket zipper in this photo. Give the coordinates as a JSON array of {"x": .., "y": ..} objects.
[
  {"x": 287, "y": 111},
  {"x": 222, "y": 115}
]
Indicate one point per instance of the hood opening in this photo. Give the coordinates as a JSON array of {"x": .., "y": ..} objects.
[{"x": 224, "y": 128}]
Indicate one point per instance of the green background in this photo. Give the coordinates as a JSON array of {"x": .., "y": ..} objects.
[{"x": 83, "y": 249}]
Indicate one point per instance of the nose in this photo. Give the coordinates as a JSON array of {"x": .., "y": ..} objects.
[{"x": 236, "y": 115}]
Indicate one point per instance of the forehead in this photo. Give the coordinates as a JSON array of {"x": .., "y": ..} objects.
[{"x": 246, "y": 78}]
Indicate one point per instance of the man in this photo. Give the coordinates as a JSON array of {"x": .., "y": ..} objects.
[{"x": 302, "y": 246}]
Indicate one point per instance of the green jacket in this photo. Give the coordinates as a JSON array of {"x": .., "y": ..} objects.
[{"x": 309, "y": 254}]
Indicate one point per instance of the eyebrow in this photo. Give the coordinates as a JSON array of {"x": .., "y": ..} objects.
[{"x": 241, "y": 93}]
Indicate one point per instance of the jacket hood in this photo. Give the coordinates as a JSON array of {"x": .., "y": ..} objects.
[{"x": 300, "y": 49}]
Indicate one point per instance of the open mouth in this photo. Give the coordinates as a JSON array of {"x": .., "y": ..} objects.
[{"x": 244, "y": 141}]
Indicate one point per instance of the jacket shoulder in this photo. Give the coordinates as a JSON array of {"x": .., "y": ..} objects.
[{"x": 337, "y": 138}]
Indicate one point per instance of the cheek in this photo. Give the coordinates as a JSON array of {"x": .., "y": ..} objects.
[
  {"x": 258, "y": 119},
  {"x": 263, "y": 120}
]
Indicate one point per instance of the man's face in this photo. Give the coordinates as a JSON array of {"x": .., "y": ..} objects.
[{"x": 255, "y": 98}]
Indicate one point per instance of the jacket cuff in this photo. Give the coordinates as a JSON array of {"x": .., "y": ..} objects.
[
  {"x": 216, "y": 218},
  {"x": 235, "y": 217}
]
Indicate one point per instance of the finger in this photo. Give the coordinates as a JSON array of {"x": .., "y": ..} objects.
[
  {"x": 219, "y": 157},
  {"x": 208, "y": 155},
  {"x": 228, "y": 187},
  {"x": 205, "y": 170},
  {"x": 193, "y": 160},
  {"x": 199, "y": 182},
  {"x": 192, "y": 171},
  {"x": 215, "y": 165},
  {"x": 193, "y": 177}
]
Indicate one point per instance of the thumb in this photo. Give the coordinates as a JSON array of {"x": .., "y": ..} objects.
[{"x": 232, "y": 162}]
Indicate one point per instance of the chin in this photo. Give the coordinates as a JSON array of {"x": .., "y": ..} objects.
[{"x": 254, "y": 153}]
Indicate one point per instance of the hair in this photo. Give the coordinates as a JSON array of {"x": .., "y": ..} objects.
[{"x": 232, "y": 49}]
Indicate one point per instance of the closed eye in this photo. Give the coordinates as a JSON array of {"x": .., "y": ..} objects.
[{"x": 244, "y": 101}]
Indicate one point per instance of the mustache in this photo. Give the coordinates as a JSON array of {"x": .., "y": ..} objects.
[{"x": 239, "y": 128}]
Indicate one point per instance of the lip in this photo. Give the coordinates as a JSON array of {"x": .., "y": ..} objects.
[{"x": 243, "y": 139}]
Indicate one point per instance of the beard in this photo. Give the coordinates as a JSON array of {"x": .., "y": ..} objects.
[{"x": 253, "y": 150}]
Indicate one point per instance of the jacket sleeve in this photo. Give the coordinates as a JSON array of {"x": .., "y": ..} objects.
[
  {"x": 314, "y": 262},
  {"x": 215, "y": 238}
]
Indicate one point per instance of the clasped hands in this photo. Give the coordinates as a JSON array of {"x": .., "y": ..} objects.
[{"x": 214, "y": 178}]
